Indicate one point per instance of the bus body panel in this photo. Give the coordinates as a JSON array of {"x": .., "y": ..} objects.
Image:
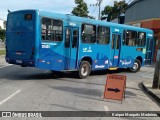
[
  {"x": 21, "y": 38},
  {"x": 50, "y": 56},
  {"x": 99, "y": 58},
  {"x": 24, "y": 44}
]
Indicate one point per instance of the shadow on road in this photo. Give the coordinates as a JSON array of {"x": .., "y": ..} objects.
[{"x": 10, "y": 73}]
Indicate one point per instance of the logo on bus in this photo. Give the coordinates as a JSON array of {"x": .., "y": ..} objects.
[
  {"x": 124, "y": 62},
  {"x": 99, "y": 66},
  {"x": 87, "y": 49}
]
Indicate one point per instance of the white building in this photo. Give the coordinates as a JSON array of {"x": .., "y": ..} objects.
[{"x": 2, "y": 24}]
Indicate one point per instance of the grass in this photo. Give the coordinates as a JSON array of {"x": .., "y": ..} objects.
[{"x": 2, "y": 52}]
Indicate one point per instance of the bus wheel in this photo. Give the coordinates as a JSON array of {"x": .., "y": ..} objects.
[
  {"x": 84, "y": 69},
  {"x": 136, "y": 67}
]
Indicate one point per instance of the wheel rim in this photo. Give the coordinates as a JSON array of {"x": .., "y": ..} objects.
[
  {"x": 135, "y": 67},
  {"x": 84, "y": 70}
]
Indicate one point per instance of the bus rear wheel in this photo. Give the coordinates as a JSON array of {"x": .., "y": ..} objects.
[
  {"x": 84, "y": 69},
  {"x": 136, "y": 67}
]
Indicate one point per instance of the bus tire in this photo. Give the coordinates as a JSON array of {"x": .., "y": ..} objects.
[
  {"x": 136, "y": 67},
  {"x": 84, "y": 69}
]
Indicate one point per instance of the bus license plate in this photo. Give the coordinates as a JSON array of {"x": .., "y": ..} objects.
[{"x": 19, "y": 61}]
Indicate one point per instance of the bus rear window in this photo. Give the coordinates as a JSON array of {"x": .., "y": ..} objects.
[
  {"x": 20, "y": 22},
  {"x": 28, "y": 17}
]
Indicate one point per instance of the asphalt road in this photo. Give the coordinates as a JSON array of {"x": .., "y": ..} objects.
[{"x": 31, "y": 89}]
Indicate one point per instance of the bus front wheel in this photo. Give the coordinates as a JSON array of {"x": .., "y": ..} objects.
[
  {"x": 84, "y": 69},
  {"x": 136, "y": 67}
]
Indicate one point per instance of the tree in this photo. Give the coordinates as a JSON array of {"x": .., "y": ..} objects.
[
  {"x": 2, "y": 34},
  {"x": 4, "y": 23},
  {"x": 81, "y": 9},
  {"x": 114, "y": 11}
]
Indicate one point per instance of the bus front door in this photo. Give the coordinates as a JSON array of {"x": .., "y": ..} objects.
[
  {"x": 115, "y": 50},
  {"x": 71, "y": 46}
]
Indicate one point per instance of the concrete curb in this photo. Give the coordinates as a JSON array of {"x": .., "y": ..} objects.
[{"x": 154, "y": 96}]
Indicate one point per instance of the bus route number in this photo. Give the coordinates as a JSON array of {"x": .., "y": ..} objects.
[{"x": 45, "y": 46}]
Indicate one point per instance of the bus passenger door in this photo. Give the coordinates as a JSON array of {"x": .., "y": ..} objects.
[
  {"x": 71, "y": 46},
  {"x": 149, "y": 48},
  {"x": 115, "y": 50}
]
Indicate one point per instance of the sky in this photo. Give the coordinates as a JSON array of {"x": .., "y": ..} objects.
[{"x": 58, "y": 6}]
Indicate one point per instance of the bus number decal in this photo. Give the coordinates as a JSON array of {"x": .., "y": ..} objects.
[
  {"x": 87, "y": 49},
  {"x": 45, "y": 46}
]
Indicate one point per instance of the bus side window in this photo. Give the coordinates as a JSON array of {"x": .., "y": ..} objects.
[
  {"x": 118, "y": 39},
  {"x": 141, "y": 39},
  {"x": 51, "y": 29},
  {"x": 131, "y": 38},
  {"x": 88, "y": 33},
  {"x": 103, "y": 35},
  {"x": 113, "y": 38},
  {"x": 67, "y": 38}
]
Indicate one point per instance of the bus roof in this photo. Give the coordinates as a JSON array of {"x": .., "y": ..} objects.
[
  {"x": 90, "y": 21},
  {"x": 85, "y": 20}
]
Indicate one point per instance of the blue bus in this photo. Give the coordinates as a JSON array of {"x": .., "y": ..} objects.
[{"x": 60, "y": 42}]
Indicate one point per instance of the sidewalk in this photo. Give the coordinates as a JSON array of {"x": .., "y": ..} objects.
[
  {"x": 147, "y": 86},
  {"x": 2, "y": 46},
  {"x": 2, "y": 59}
]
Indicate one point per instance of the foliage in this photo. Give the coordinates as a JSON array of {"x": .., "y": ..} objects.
[
  {"x": 81, "y": 9},
  {"x": 114, "y": 11},
  {"x": 2, "y": 34},
  {"x": 2, "y": 52},
  {"x": 5, "y": 22}
]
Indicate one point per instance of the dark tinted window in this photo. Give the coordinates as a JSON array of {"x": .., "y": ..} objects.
[
  {"x": 88, "y": 33},
  {"x": 20, "y": 22},
  {"x": 28, "y": 17},
  {"x": 67, "y": 39},
  {"x": 141, "y": 41},
  {"x": 75, "y": 38}
]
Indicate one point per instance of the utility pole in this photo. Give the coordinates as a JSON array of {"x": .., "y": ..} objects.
[
  {"x": 99, "y": 5},
  {"x": 156, "y": 79}
]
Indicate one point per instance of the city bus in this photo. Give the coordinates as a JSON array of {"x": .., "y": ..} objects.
[{"x": 62, "y": 42}]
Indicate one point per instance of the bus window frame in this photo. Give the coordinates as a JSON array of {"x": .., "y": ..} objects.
[
  {"x": 125, "y": 37},
  {"x": 41, "y": 17},
  {"x": 95, "y": 33},
  {"x": 144, "y": 37},
  {"x": 107, "y": 43}
]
